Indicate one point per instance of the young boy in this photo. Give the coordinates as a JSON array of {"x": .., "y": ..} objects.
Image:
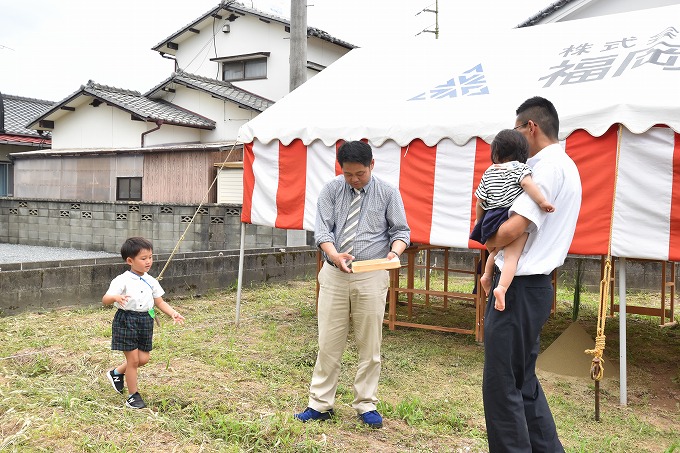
[
  {"x": 501, "y": 184},
  {"x": 135, "y": 293}
]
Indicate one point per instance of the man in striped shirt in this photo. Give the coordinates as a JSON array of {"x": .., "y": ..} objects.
[{"x": 359, "y": 217}]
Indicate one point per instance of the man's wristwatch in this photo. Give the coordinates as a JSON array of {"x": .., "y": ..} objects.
[{"x": 398, "y": 255}]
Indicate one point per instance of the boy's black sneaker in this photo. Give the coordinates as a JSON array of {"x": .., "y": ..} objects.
[
  {"x": 135, "y": 401},
  {"x": 116, "y": 380}
]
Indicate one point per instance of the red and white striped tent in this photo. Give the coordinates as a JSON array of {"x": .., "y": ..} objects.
[{"x": 430, "y": 109}]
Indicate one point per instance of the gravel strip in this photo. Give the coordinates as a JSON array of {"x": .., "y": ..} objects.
[{"x": 16, "y": 253}]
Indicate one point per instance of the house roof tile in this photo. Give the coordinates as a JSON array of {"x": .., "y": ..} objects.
[
  {"x": 132, "y": 101},
  {"x": 238, "y": 8},
  {"x": 536, "y": 18},
  {"x": 16, "y": 111},
  {"x": 217, "y": 88},
  {"x": 6, "y": 139}
]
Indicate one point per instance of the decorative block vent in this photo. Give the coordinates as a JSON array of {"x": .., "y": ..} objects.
[
  {"x": 86, "y": 215},
  {"x": 64, "y": 214},
  {"x": 133, "y": 208},
  {"x": 147, "y": 217},
  {"x": 203, "y": 211},
  {"x": 13, "y": 211},
  {"x": 75, "y": 206},
  {"x": 121, "y": 216},
  {"x": 32, "y": 212},
  {"x": 216, "y": 219},
  {"x": 166, "y": 209},
  {"x": 233, "y": 211},
  {"x": 186, "y": 219},
  {"x": 23, "y": 204}
]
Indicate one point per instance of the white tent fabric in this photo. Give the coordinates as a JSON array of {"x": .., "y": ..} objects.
[
  {"x": 430, "y": 109},
  {"x": 621, "y": 68},
  {"x": 282, "y": 184}
]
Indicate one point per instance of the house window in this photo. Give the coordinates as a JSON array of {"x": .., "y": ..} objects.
[
  {"x": 230, "y": 183},
  {"x": 5, "y": 180},
  {"x": 244, "y": 69},
  {"x": 129, "y": 189}
]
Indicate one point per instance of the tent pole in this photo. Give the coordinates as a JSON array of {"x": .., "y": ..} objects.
[
  {"x": 239, "y": 284},
  {"x": 622, "y": 332}
]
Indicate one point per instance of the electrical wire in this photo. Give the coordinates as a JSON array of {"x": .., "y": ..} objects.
[{"x": 210, "y": 40}]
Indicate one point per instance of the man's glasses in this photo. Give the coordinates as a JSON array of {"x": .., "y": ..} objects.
[{"x": 521, "y": 125}]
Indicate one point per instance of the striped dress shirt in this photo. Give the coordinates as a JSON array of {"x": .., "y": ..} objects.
[{"x": 381, "y": 222}]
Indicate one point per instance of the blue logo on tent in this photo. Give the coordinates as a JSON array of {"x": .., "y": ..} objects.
[{"x": 470, "y": 83}]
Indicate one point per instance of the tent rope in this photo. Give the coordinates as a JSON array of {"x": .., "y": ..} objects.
[
  {"x": 203, "y": 201},
  {"x": 597, "y": 364}
]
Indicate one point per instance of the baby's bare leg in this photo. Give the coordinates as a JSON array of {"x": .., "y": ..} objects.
[
  {"x": 511, "y": 255},
  {"x": 485, "y": 279}
]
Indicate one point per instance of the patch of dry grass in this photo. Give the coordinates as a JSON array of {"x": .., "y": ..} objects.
[{"x": 213, "y": 387}]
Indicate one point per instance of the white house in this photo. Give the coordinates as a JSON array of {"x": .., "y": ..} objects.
[
  {"x": 248, "y": 47},
  {"x": 231, "y": 64}
]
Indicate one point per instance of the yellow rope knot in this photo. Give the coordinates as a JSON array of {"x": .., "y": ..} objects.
[{"x": 597, "y": 365}]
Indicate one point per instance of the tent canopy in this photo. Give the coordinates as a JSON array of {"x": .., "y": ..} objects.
[
  {"x": 430, "y": 110},
  {"x": 621, "y": 68}
]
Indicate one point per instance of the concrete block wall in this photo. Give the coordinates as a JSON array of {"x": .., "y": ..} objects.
[
  {"x": 82, "y": 283},
  {"x": 54, "y": 284},
  {"x": 103, "y": 226}
]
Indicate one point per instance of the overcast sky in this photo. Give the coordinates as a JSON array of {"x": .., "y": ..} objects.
[{"x": 49, "y": 48}]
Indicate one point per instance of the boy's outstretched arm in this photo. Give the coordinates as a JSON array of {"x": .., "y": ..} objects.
[{"x": 168, "y": 310}]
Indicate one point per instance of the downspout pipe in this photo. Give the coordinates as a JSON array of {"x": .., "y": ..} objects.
[{"x": 159, "y": 123}]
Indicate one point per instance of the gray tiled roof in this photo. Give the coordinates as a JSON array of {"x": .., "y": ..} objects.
[
  {"x": 217, "y": 88},
  {"x": 17, "y": 111},
  {"x": 242, "y": 9},
  {"x": 138, "y": 105},
  {"x": 533, "y": 20}
]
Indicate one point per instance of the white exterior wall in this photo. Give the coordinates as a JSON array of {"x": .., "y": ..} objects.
[
  {"x": 228, "y": 116},
  {"x": 169, "y": 134},
  {"x": 96, "y": 127},
  {"x": 323, "y": 52},
  {"x": 250, "y": 35},
  {"x": 112, "y": 128}
]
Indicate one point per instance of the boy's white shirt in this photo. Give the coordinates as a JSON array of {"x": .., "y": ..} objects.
[{"x": 141, "y": 291}]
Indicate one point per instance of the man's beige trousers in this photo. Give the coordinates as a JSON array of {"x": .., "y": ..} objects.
[{"x": 361, "y": 298}]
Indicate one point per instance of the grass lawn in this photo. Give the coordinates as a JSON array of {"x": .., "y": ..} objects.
[{"x": 213, "y": 387}]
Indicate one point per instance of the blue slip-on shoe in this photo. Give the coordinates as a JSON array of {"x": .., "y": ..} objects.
[
  {"x": 311, "y": 414},
  {"x": 372, "y": 419}
]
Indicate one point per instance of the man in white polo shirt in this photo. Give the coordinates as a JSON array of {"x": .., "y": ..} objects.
[{"x": 518, "y": 418}]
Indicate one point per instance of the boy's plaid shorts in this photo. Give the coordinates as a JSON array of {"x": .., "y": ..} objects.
[{"x": 131, "y": 330}]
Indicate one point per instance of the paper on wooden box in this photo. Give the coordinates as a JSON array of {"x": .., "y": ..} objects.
[{"x": 374, "y": 265}]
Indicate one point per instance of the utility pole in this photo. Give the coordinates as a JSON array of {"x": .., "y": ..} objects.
[
  {"x": 436, "y": 19},
  {"x": 298, "y": 76},
  {"x": 298, "y": 43}
]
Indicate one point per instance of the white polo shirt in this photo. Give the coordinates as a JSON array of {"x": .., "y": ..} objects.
[
  {"x": 141, "y": 290},
  {"x": 550, "y": 234}
]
